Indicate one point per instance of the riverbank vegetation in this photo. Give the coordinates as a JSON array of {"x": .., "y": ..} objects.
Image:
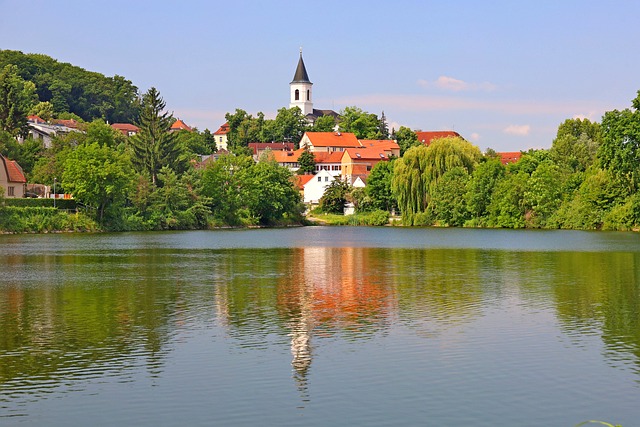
[{"x": 588, "y": 179}]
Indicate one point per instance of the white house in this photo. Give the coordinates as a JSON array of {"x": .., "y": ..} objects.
[{"x": 314, "y": 189}]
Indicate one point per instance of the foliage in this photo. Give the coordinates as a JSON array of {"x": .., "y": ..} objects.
[
  {"x": 88, "y": 95},
  {"x": 15, "y": 219},
  {"x": 65, "y": 204},
  {"x": 307, "y": 163},
  {"x": 324, "y": 124},
  {"x": 243, "y": 129},
  {"x": 335, "y": 197},
  {"x": 576, "y": 144},
  {"x": 507, "y": 208},
  {"x": 17, "y": 96},
  {"x": 289, "y": 126},
  {"x": 406, "y": 139},
  {"x": 364, "y": 125},
  {"x": 481, "y": 186},
  {"x": 374, "y": 218},
  {"x": 44, "y": 110},
  {"x": 154, "y": 146},
  {"x": 25, "y": 153},
  {"x": 97, "y": 176},
  {"x": 379, "y": 186},
  {"x": 620, "y": 148},
  {"x": 447, "y": 205},
  {"x": 544, "y": 193}
]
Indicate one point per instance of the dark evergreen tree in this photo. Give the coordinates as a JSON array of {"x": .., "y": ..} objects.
[
  {"x": 154, "y": 146},
  {"x": 307, "y": 163},
  {"x": 384, "y": 127}
]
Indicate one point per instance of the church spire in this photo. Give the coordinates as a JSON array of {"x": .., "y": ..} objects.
[{"x": 301, "y": 75}]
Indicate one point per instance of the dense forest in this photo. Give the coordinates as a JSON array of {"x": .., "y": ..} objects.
[{"x": 588, "y": 179}]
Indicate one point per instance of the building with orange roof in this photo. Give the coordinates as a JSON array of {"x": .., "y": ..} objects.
[
  {"x": 12, "y": 179},
  {"x": 328, "y": 141},
  {"x": 390, "y": 146},
  {"x": 288, "y": 159},
  {"x": 70, "y": 123},
  {"x": 179, "y": 125},
  {"x": 329, "y": 161},
  {"x": 510, "y": 157},
  {"x": 127, "y": 129},
  {"x": 220, "y": 137},
  {"x": 260, "y": 147},
  {"x": 358, "y": 162},
  {"x": 428, "y": 137}
]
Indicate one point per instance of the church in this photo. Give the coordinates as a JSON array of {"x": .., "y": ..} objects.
[{"x": 302, "y": 95}]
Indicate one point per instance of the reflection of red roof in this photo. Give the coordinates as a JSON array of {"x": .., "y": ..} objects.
[
  {"x": 125, "y": 128},
  {"x": 224, "y": 129},
  {"x": 333, "y": 139},
  {"x": 510, "y": 157},
  {"x": 428, "y": 137},
  {"x": 180, "y": 125},
  {"x": 14, "y": 171}
]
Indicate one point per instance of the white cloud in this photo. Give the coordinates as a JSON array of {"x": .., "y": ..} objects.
[
  {"x": 475, "y": 136},
  {"x": 519, "y": 130},
  {"x": 456, "y": 85}
]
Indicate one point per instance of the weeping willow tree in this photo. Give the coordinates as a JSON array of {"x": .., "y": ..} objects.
[{"x": 417, "y": 172}]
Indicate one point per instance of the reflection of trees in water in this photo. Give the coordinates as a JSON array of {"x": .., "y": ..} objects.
[
  {"x": 86, "y": 316},
  {"x": 599, "y": 293}
]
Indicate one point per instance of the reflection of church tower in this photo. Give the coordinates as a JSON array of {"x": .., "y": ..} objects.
[{"x": 301, "y": 89}]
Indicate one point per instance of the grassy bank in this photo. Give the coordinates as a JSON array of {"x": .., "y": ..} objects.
[{"x": 15, "y": 219}]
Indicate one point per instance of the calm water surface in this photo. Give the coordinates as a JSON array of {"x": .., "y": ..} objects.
[{"x": 320, "y": 326}]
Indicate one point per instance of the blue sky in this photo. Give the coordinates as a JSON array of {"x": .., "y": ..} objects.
[{"x": 504, "y": 74}]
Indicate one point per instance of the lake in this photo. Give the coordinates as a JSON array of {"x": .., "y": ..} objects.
[{"x": 320, "y": 326}]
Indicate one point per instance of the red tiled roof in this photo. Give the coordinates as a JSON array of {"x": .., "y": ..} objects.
[
  {"x": 273, "y": 146},
  {"x": 125, "y": 128},
  {"x": 428, "y": 137},
  {"x": 287, "y": 156},
  {"x": 70, "y": 123},
  {"x": 333, "y": 139},
  {"x": 35, "y": 119},
  {"x": 301, "y": 180},
  {"x": 328, "y": 157},
  {"x": 510, "y": 157},
  {"x": 224, "y": 129},
  {"x": 14, "y": 171},
  {"x": 369, "y": 153},
  {"x": 388, "y": 144},
  {"x": 180, "y": 125}
]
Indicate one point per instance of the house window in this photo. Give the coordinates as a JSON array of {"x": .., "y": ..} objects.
[
  {"x": 308, "y": 94},
  {"x": 326, "y": 179},
  {"x": 319, "y": 179},
  {"x": 368, "y": 168},
  {"x": 11, "y": 191},
  {"x": 297, "y": 95}
]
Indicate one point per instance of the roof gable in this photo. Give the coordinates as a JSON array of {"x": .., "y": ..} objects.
[
  {"x": 14, "y": 171},
  {"x": 223, "y": 130},
  {"x": 332, "y": 139},
  {"x": 369, "y": 153},
  {"x": 180, "y": 125}
]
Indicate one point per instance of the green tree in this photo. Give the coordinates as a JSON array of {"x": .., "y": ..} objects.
[
  {"x": 154, "y": 146},
  {"x": 44, "y": 110},
  {"x": 379, "y": 186},
  {"x": 289, "y": 125},
  {"x": 576, "y": 143},
  {"x": 244, "y": 128},
  {"x": 481, "y": 186},
  {"x": 383, "y": 127},
  {"x": 507, "y": 207},
  {"x": 307, "y": 163},
  {"x": 25, "y": 153},
  {"x": 335, "y": 197},
  {"x": 324, "y": 124},
  {"x": 17, "y": 97},
  {"x": 97, "y": 176},
  {"x": 620, "y": 148},
  {"x": 209, "y": 141},
  {"x": 406, "y": 139},
  {"x": 544, "y": 193},
  {"x": 364, "y": 125},
  {"x": 448, "y": 205}
]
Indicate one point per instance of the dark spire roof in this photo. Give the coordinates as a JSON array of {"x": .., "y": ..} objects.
[{"x": 301, "y": 75}]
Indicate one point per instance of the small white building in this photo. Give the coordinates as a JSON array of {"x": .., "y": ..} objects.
[{"x": 315, "y": 188}]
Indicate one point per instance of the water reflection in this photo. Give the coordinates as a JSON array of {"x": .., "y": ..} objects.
[{"x": 73, "y": 316}]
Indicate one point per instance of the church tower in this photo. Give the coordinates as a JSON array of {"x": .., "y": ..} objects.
[{"x": 301, "y": 89}]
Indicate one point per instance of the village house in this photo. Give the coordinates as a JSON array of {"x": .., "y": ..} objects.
[
  {"x": 316, "y": 185},
  {"x": 358, "y": 162},
  {"x": 12, "y": 179},
  {"x": 179, "y": 125},
  {"x": 45, "y": 132},
  {"x": 509, "y": 157},
  {"x": 127, "y": 129},
  {"x": 220, "y": 137},
  {"x": 260, "y": 147},
  {"x": 328, "y": 141}
]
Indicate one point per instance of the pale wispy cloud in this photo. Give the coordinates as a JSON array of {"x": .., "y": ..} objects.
[
  {"x": 455, "y": 85},
  {"x": 518, "y": 130},
  {"x": 475, "y": 136}
]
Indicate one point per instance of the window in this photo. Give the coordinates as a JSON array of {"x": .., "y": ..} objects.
[
  {"x": 368, "y": 168},
  {"x": 297, "y": 95},
  {"x": 319, "y": 179},
  {"x": 308, "y": 94},
  {"x": 326, "y": 179},
  {"x": 11, "y": 191}
]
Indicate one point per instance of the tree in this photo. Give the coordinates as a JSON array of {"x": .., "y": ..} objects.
[
  {"x": 44, "y": 110},
  {"x": 383, "y": 127},
  {"x": 307, "y": 163},
  {"x": 335, "y": 197},
  {"x": 243, "y": 129},
  {"x": 379, "y": 186},
  {"x": 364, "y": 125},
  {"x": 507, "y": 208},
  {"x": 289, "y": 125},
  {"x": 406, "y": 139},
  {"x": 620, "y": 148},
  {"x": 154, "y": 146},
  {"x": 576, "y": 143},
  {"x": 97, "y": 176},
  {"x": 447, "y": 205},
  {"x": 481, "y": 186},
  {"x": 209, "y": 141},
  {"x": 544, "y": 193},
  {"x": 324, "y": 124},
  {"x": 17, "y": 96},
  {"x": 25, "y": 153}
]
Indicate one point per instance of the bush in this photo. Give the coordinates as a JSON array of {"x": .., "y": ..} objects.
[
  {"x": 41, "y": 220},
  {"x": 69, "y": 204}
]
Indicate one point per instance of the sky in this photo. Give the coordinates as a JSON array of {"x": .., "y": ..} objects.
[{"x": 503, "y": 74}]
